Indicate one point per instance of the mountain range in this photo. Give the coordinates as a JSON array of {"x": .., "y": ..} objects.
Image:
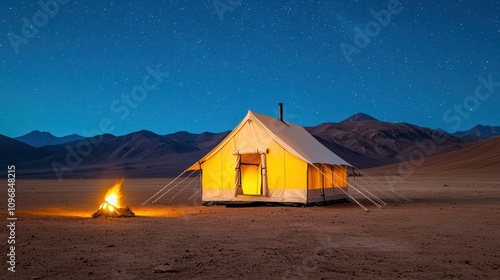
[
  {"x": 38, "y": 138},
  {"x": 360, "y": 139},
  {"x": 479, "y": 132}
]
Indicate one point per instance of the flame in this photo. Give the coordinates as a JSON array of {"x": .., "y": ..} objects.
[{"x": 113, "y": 195}]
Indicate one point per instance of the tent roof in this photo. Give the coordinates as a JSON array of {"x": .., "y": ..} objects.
[{"x": 293, "y": 138}]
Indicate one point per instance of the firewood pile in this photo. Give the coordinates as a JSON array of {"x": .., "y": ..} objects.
[{"x": 108, "y": 210}]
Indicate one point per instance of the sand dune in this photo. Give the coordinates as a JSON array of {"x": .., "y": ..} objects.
[{"x": 482, "y": 158}]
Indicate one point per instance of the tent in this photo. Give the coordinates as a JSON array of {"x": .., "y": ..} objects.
[{"x": 266, "y": 159}]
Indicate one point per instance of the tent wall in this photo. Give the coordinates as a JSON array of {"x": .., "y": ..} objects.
[
  {"x": 325, "y": 181},
  {"x": 340, "y": 180},
  {"x": 294, "y": 178}
]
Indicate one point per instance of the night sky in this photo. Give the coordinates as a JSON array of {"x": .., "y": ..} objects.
[{"x": 200, "y": 65}]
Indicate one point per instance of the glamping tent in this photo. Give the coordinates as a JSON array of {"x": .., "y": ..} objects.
[{"x": 269, "y": 160}]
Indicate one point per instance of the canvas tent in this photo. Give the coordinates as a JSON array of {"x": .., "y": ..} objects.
[{"x": 270, "y": 160}]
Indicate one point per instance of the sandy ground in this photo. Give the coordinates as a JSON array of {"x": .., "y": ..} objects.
[{"x": 449, "y": 230}]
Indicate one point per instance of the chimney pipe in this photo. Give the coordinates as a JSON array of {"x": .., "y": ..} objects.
[{"x": 280, "y": 111}]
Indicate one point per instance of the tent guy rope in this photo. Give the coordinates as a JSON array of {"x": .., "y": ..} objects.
[{"x": 166, "y": 186}]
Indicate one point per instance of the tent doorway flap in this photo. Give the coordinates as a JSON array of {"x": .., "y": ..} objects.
[{"x": 251, "y": 174}]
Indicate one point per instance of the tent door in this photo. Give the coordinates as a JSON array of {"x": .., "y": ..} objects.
[
  {"x": 250, "y": 179},
  {"x": 251, "y": 172}
]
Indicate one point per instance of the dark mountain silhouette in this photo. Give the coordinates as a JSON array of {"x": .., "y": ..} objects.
[
  {"x": 137, "y": 154},
  {"x": 479, "y": 132},
  {"x": 38, "y": 138},
  {"x": 13, "y": 151},
  {"x": 359, "y": 117},
  {"x": 442, "y": 130},
  {"x": 374, "y": 143},
  {"x": 361, "y": 140}
]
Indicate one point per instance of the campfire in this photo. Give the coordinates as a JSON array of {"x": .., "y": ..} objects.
[{"x": 111, "y": 206}]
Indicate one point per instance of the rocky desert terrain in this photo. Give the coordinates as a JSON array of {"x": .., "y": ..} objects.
[{"x": 441, "y": 227}]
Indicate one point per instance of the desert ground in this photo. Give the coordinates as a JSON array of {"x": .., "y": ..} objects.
[{"x": 438, "y": 228}]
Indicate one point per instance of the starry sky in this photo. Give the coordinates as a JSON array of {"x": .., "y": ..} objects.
[{"x": 91, "y": 67}]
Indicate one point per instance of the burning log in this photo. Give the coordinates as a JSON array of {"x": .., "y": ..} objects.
[
  {"x": 108, "y": 210},
  {"x": 110, "y": 207}
]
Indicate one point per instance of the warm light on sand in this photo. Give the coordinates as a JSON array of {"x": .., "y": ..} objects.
[{"x": 78, "y": 212}]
